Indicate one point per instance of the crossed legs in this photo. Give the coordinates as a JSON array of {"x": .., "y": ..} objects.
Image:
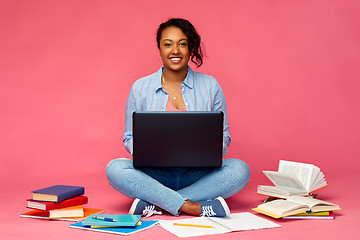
[{"x": 181, "y": 189}]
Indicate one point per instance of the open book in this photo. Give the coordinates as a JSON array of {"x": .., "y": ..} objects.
[
  {"x": 293, "y": 178},
  {"x": 294, "y": 205}
]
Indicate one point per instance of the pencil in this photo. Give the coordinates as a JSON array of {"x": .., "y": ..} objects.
[{"x": 192, "y": 225}]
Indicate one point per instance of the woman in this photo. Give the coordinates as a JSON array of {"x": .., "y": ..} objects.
[{"x": 175, "y": 87}]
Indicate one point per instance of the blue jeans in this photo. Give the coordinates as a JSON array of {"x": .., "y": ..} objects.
[{"x": 169, "y": 188}]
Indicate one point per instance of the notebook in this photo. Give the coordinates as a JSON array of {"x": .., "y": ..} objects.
[
  {"x": 177, "y": 139},
  {"x": 216, "y": 225},
  {"x": 117, "y": 230},
  {"x": 121, "y": 220}
]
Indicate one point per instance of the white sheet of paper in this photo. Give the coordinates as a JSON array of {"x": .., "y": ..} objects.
[{"x": 234, "y": 222}]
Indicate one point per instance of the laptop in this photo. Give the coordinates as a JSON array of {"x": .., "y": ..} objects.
[{"x": 177, "y": 139}]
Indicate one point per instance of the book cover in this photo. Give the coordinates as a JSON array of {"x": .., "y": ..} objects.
[
  {"x": 321, "y": 216},
  {"x": 121, "y": 220},
  {"x": 117, "y": 230},
  {"x": 57, "y": 193},
  {"x": 42, "y": 205},
  {"x": 41, "y": 214}
]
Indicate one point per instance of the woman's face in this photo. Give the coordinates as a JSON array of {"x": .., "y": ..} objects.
[{"x": 174, "y": 50}]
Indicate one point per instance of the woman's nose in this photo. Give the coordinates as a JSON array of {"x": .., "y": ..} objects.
[{"x": 175, "y": 49}]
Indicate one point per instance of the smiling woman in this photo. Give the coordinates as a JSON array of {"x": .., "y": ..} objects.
[
  {"x": 175, "y": 55},
  {"x": 175, "y": 87},
  {"x": 177, "y": 40}
]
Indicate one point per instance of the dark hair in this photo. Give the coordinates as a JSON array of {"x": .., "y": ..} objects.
[{"x": 191, "y": 34}]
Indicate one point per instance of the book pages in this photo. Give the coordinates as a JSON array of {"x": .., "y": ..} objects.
[
  {"x": 314, "y": 204},
  {"x": 282, "y": 207},
  {"x": 283, "y": 180},
  {"x": 303, "y": 171}
]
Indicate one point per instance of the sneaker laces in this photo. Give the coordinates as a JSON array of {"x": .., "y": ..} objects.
[
  {"x": 207, "y": 211},
  {"x": 150, "y": 210}
]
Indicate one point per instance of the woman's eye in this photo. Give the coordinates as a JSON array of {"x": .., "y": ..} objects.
[
  {"x": 183, "y": 44},
  {"x": 167, "y": 44}
]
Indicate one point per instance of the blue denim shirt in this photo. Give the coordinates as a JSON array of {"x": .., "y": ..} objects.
[{"x": 199, "y": 91}]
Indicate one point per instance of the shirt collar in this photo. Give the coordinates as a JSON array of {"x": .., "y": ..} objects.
[{"x": 188, "y": 81}]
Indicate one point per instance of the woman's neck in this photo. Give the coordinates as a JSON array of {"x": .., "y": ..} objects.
[{"x": 174, "y": 77}]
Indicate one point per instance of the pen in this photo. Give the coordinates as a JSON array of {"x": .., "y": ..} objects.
[
  {"x": 105, "y": 218},
  {"x": 192, "y": 225}
]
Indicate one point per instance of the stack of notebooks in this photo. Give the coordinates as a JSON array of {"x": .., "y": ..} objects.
[
  {"x": 59, "y": 202},
  {"x": 116, "y": 224},
  {"x": 292, "y": 196}
]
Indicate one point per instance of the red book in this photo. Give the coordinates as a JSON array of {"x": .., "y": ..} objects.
[
  {"x": 45, "y": 214},
  {"x": 80, "y": 200}
]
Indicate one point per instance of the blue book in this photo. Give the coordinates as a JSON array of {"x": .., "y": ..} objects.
[
  {"x": 117, "y": 230},
  {"x": 119, "y": 220},
  {"x": 57, "y": 193}
]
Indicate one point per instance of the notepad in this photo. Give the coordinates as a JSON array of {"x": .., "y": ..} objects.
[
  {"x": 233, "y": 222},
  {"x": 117, "y": 230},
  {"x": 121, "y": 220}
]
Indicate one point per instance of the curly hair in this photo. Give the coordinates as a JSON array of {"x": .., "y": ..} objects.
[{"x": 193, "y": 37}]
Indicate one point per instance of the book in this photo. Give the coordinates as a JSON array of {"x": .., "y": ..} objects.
[
  {"x": 316, "y": 215},
  {"x": 293, "y": 178},
  {"x": 215, "y": 225},
  {"x": 324, "y": 213},
  {"x": 41, "y": 214},
  {"x": 294, "y": 205},
  {"x": 57, "y": 193},
  {"x": 116, "y": 230},
  {"x": 121, "y": 220},
  {"x": 94, "y": 226},
  {"x": 43, "y": 205},
  {"x": 73, "y": 211}
]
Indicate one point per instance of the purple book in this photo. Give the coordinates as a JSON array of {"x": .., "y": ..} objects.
[{"x": 57, "y": 193}]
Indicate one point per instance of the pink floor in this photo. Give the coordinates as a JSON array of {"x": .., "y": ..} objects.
[
  {"x": 289, "y": 70},
  {"x": 341, "y": 190}
]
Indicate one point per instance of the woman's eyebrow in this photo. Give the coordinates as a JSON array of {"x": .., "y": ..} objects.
[{"x": 167, "y": 39}]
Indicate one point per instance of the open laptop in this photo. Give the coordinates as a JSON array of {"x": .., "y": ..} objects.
[{"x": 177, "y": 139}]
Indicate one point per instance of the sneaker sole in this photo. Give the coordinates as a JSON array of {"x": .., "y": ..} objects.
[{"x": 133, "y": 206}]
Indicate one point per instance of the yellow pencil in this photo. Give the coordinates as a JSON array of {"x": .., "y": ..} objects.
[{"x": 192, "y": 225}]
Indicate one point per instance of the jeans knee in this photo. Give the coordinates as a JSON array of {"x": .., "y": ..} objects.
[
  {"x": 114, "y": 167},
  {"x": 239, "y": 167}
]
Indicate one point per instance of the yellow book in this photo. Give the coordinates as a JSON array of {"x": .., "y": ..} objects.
[
  {"x": 325, "y": 213},
  {"x": 74, "y": 211}
]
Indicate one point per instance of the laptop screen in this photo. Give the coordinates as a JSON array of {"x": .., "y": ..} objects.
[{"x": 177, "y": 139}]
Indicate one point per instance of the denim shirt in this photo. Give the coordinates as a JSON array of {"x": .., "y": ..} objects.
[{"x": 199, "y": 91}]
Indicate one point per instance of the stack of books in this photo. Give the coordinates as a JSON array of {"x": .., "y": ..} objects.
[
  {"x": 292, "y": 196},
  {"x": 59, "y": 202}
]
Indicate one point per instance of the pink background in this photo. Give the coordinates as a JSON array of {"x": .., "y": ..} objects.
[{"x": 289, "y": 71}]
